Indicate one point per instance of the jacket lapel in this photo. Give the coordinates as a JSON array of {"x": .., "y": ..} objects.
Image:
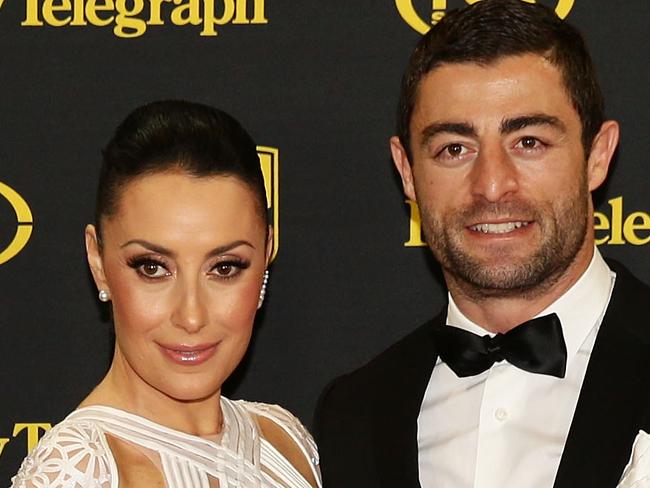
[
  {"x": 614, "y": 397},
  {"x": 395, "y": 419}
]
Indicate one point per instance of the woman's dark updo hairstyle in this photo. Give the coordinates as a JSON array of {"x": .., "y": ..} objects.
[{"x": 170, "y": 135}]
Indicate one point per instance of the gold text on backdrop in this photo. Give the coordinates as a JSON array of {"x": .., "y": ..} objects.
[
  {"x": 618, "y": 229},
  {"x": 422, "y": 23},
  {"x": 32, "y": 430},
  {"x": 24, "y": 223},
  {"x": 612, "y": 228},
  {"x": 131, "y": 18}
]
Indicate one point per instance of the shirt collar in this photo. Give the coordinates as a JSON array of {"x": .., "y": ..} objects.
[{"x": 580, "y": 309}]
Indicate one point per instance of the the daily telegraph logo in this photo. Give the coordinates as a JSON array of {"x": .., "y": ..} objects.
[
  {"x": 422, "y": 14},
  {"x": 270, "y": 163},
  {"x": 132, "y": 18},
  {"x": 24, "y": 223},
  {"x": 614, "y": 225}
]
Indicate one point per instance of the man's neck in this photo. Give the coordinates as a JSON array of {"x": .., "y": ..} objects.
[{"x": 499, "y": 313}]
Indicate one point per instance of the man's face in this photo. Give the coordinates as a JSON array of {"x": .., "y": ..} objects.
[{"x": 499, "y": 173}]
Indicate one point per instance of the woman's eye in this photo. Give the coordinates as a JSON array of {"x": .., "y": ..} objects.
[
  {"x": 228, "y": 269},
  {"x": 224, "y": 269},
  {"x": 151, "y": 269}
]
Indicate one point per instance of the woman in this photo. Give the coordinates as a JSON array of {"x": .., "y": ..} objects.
[{"x": 180, "y": 247}]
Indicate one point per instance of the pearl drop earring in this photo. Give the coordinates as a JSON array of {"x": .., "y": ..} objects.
[
  {"x": 103, "y": 296},
  {"x": 263, "y": 289}
]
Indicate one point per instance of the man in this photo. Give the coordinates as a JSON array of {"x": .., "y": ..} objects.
[{"x": 501, "y": 140}]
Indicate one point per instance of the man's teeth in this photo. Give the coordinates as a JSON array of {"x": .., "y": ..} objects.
[{"x": 498, "y": 228}]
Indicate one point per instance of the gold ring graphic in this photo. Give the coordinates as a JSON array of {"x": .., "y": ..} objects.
[
  {"x": 408, "y": 13},
  {"x": 24, "y": 221}
]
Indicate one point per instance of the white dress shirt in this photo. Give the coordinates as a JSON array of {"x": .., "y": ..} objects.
[{"x": 506, "y": 428}]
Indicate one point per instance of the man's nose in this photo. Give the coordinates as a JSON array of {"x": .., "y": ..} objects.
[{"x": 494, "y": 175}]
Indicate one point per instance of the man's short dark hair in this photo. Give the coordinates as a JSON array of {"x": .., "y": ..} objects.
[{"x": 490, "y": 30}]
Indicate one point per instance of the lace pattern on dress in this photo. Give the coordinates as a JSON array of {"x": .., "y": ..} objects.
[{"x": 70, "y": 455}]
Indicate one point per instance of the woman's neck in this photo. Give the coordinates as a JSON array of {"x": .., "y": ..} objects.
[{"x": 122, "y": 388}]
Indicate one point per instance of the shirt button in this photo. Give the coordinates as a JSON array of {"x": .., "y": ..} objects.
[{"x": 500, "y": 414}]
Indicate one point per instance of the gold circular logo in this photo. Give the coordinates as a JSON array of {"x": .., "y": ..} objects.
[
  {"x": 413, "y": 18},
  {"x": 24, "y": 222}
]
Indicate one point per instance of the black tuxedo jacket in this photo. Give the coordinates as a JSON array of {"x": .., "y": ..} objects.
[{"x": 366, "y": 421}]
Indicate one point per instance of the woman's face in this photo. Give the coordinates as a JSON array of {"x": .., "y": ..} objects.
[{"x": 183, "y": 259}]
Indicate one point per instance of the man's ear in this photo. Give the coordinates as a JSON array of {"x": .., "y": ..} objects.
[
  {"x": 403, "y": 165},
  {"x": 94, "y": 257},
  {"x": 602, "y": 152}
]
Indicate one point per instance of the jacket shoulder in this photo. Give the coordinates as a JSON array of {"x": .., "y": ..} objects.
[
  {"x": 353, "y": 408},
  {"x": 389, "y": 366},
  {"x": 630, "y": 302}
]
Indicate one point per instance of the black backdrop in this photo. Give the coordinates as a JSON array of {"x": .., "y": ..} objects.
[{"x": 316, "y": 80}]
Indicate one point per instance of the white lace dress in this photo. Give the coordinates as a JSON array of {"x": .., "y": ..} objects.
[{"x": 75, "y": 453}]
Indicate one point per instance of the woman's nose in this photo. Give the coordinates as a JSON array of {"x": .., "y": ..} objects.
[{"x": 190, "y": 312}]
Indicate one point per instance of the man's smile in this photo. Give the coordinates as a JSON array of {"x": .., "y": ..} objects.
[{"x": 499, "y": 228}]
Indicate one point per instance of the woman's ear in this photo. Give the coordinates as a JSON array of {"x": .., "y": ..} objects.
[
  {"x": 269, "y": 245},
  {"x": 94, "y": 257}
]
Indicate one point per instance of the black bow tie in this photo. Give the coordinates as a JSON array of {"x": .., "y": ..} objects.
[{"x": 536, "y": 346}]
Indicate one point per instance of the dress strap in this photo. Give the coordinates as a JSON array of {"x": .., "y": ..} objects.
[{"x": 295, "y": 430}]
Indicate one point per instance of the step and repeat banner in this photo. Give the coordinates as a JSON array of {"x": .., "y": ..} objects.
[{"x": 316, "y": 84}]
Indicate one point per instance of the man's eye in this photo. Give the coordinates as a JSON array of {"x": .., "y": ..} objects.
[
  {"x": 455, "y": 150},
  {"x": 529, "y": 143}
]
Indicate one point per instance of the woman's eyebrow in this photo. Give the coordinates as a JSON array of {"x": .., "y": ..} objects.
[
  {"x": 168, "y": 252},
  {"x": 227, "y": 247},
  {"x": 150, "y": 246}
]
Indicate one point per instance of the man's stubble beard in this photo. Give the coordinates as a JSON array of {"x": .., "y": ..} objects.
[{"x": 563, "y": 230}]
